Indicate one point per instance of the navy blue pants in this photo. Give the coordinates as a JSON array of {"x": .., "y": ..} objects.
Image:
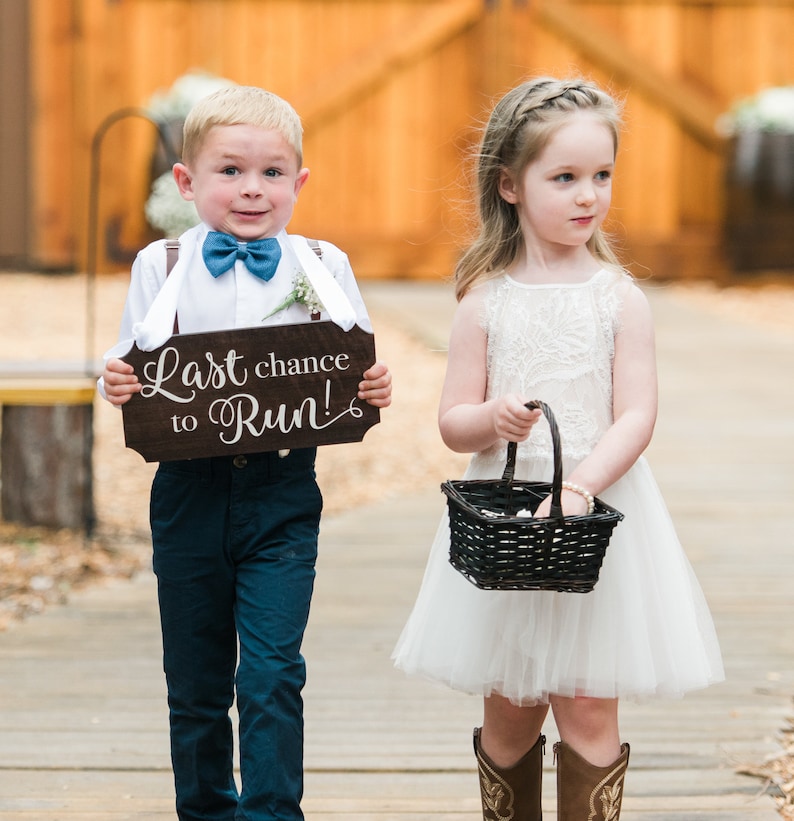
[{"x": 235, "y": 544}]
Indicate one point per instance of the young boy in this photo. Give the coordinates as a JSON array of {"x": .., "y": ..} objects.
[{"x": 235, "y": 538}]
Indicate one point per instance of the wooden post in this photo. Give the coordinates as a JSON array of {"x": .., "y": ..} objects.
[{"x": 46, "y": 446}]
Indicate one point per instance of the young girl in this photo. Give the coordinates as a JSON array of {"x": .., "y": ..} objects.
[{"x": 547, "y": 313}]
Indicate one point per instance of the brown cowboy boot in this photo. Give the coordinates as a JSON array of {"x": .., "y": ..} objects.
[
  {"x": 511, "y": 794},
  {"x": 585, "y": 792}
]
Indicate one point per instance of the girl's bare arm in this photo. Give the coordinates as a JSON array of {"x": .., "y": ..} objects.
[{"x": 468, "y": 423}]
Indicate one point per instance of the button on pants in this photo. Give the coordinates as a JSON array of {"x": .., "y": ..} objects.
[{"x": 235, "y": 545}]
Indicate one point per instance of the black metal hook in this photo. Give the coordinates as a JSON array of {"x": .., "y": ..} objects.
[{"x": 93, "y": 210}]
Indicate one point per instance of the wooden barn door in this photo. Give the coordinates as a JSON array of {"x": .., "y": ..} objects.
[
  {"x": 14, "y": 134},
  {"x": 387, "y": 90}
]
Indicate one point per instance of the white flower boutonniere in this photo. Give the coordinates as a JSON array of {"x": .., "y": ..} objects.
[{"x": 302, "y": 293}]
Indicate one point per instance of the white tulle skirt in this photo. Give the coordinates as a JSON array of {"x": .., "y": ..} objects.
[{"x": 644, "y": 631}]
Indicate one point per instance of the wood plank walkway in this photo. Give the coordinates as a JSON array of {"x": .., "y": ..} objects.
[{"x": 83, "y": 719}]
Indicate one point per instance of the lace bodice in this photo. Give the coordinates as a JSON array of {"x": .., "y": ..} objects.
[{"x": 555, "y": 343}]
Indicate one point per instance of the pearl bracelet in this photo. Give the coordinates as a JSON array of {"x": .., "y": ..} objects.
[{"x": 582, "y": 492}]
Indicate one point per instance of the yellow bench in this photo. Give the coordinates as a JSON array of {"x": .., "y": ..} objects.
[
  {"x": 46, "y": 445},
  {"x": 47, "y": 390}
]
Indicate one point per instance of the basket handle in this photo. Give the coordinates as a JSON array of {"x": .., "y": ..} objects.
[{"x": 556, "y": 484}]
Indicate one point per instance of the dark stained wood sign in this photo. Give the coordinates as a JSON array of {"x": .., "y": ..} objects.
[{"x": 249, "y": 390}]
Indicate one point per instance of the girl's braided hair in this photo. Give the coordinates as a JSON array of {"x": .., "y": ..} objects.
[{"x": 519, "y": 128}]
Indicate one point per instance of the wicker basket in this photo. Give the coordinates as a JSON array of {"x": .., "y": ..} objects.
[{"x": 497, "y": 550}]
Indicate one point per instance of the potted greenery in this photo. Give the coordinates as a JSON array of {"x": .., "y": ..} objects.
[
  {"x": 165, "y": 209},
  {"x": 759, "y": 214}
]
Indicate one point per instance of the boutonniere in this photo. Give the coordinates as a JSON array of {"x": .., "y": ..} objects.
[{"x": 302, "y": 293}]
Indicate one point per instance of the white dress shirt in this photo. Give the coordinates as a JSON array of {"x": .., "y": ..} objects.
[{"x": 236, "y": 299}]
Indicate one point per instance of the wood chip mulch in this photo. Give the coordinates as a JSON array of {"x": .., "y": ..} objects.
[{"x": 777, "y": 772}]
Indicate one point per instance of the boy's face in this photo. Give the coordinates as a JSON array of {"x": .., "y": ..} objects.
[{"x": 244, "y": 181}]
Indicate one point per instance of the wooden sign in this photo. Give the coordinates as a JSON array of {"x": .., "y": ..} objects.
[{"x": 249, "y": 390}]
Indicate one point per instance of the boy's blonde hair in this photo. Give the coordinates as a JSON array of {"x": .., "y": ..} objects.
[
  {"x": 241, "y": 105},
  {"x": 519, "y": 128}
]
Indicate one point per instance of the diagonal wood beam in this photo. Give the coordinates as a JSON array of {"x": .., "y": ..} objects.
[
  {"x": 696, "y": 112},
  {"x": 366, "y": 71}
]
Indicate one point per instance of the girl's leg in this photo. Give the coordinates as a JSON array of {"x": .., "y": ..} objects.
[
  {"x": 590, "y": 726},
  {"x": 511, "y": 769},
  {"x": 509, "y": 731},
  {"x": 591, "y": 762}
]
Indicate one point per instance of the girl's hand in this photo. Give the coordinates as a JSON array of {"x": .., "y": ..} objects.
[
  {"x": 120, "y": 381},
  {"x": 573, "y": 504},
  {"x": 512, "y": 420},
  {"x": 376, "y": 386}
]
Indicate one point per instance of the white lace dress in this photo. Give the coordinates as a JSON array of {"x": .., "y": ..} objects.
[{"x": 645, "y": 630}]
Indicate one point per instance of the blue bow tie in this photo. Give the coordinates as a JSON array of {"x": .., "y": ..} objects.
[{"x": 261, "y": 256}]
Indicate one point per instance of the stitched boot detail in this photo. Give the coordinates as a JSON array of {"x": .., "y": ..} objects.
[
  {"x": 586, "y": 792},
  {"x": 511, "y": 794}
]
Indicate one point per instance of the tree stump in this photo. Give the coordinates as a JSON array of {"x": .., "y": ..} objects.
[{"x": 46, "y": 447}]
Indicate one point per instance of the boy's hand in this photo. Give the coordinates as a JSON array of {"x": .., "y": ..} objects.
[
  {"x": 376, "y": 387},
  {"x": 120, "y": 381}
]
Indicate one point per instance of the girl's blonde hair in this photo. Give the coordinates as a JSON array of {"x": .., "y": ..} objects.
[
  {"x": 241, "y": 105},
  {"x": 519, "y": 128}
]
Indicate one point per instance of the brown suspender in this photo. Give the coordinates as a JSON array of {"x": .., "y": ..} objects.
[
  {"x": 315, "y": 246},
  {"x": 171, "y": 256}
]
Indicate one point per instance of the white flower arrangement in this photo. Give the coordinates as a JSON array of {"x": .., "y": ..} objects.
[
  {"x": 302, "y": 293},
  {"x": 165, "y": 208},
  {"x": 187, "y": 90},
  {"x": 770, "y": 110}
]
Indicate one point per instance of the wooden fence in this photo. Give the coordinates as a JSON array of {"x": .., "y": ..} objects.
[{"x": 391, "y": 93}]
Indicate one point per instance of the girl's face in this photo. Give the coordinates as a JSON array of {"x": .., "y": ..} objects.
[
  {"x": 244, "y": 181},
  {"x": 564, "y": 194}
]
